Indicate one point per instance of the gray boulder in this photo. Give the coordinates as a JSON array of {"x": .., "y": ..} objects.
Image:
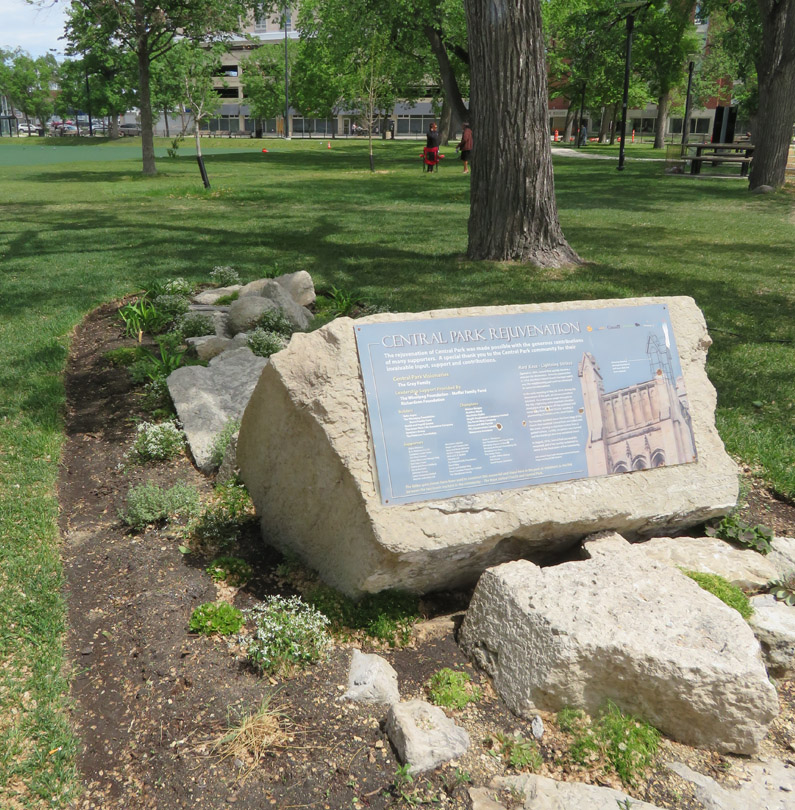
[
  {"x": 211, "y": 346},
  {"x": 207, "y": 398},
  {"x": 622, "y": 627},
  {"x": 743, "y": 567},
  {"x": 773, "y": 624},
  {"x": 245, "y": 312},
  {"x": 371, "y": 679},
  {"x": 211, "y": 296},
  {"x": 423, "y": 736},
  {"x": 299, "y": 286}
]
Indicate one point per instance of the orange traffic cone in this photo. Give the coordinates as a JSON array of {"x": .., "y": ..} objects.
[{"x": 329, "y": 144}]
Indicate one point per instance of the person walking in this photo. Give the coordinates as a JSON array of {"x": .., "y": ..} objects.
[{"x": 465, "y": 146}]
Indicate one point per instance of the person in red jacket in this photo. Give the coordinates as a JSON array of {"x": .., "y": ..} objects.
[{"x": 465, "y": 146}]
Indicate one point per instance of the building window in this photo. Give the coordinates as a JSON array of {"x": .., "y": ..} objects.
[
  {"x": 227, "y": 92},
  {"x": 261, "y": 24},
  {"x": 230, "y": 71}
]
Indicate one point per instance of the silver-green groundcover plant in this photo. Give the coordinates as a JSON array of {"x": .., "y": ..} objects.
[{"x": 287, "y": 632}]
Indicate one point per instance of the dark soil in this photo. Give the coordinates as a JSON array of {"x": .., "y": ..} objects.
[{"x": 152, "y": 701}]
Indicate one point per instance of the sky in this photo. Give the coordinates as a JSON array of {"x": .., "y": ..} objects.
[{"x": 34, "y": 28}]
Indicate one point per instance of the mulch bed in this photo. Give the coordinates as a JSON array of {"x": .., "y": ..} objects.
[{"x": 152, "y": 701}]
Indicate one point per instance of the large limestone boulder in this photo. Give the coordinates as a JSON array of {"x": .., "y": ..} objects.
[
  {"x": 280, "y": 292},
  {"x": 743, "y": 567},
  {"x": 208, "y": 398},
  {"x": 245, "y": 312},
  {"x": 622, "y": 627},
  {"x": 300, "y": 287},
  {"x": 306, "y": 456}
]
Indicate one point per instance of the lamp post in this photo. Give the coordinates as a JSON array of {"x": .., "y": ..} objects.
[{"x": 286, "y": 80}]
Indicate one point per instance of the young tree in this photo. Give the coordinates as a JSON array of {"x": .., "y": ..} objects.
[
  {"x": 149, "y": 29},
  {"x": 263, "y": 79},
  {"x": 29, "y": 84},
  {"x": 665, "y": 41},
  {"x": 513, "y": 213}
]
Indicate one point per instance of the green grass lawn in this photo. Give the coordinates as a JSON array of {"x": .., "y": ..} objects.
[{"x": 80, "y": 225}]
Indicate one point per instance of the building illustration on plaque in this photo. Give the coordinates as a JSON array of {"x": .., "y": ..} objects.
[{"x": 640, "y": 426}]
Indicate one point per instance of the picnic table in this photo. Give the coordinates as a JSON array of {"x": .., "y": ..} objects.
[{"x": 740, "y": 153}]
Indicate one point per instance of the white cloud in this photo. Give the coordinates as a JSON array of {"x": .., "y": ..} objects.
[{"x": 34, "y": 28}]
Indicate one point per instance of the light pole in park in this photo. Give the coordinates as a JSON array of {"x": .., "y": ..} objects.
[
  {"x": 286, "y": 79},
  {"x": 633, "y": 8}
]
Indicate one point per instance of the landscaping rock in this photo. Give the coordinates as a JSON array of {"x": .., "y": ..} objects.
[
  {"x": 762, "y": 190},
  {"x": 773, "y": 623},
  {"x": 767, "y": 785},
  {"x": 542, "y": 793},
  {"x": 483, "y": 799},
  {"x": 245, "y": 312},
  {"x": 299, "y": 286},
  {"x": 371, "y": 679},
  {"x": 622, "y": 627},
  {"x": 745, "y": 568},
  {"x": 309, "y": 404},
  {"x": 423, "y": 736},
  {"x": 211, "y": 296},
  {"x": 207, "y": 398},
  {"x": 211, "y": 345},
  {"x": 783, "y": 555}
]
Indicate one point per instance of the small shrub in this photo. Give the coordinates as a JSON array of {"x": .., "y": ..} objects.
[
  {"x": 149, "y": 504},
  {"x": 386, "y": 616},
  {"x": 783, "y": 589},
  {"x": 225, "y": 300},
  {"x": 224, "y": 276},
  {"x": 231, "y": 570},
  {"x": 216, "y": 617},
  {"x": 175, "y": 286},
  {"x": 520, "y": 753},
  {"x": 142, "y": 316},
  {"x": 274, "y": 320},
  {"x": 173, "y": 150},
  {"x": 287, "y": 632},
  {"x": 125, "y": 356},
  {"x": 196, "y": 324},
  {"x": 221, "y": 442},
  {"x": 151, "y": 367},
  {"x": 735, "y": 530},
  {"x": 263, "y": 343},
  {"x": 453, "y": 689},
  {"x": 158, "y": 442},
  {"x": 172, "y": 305},
  {"x": 626, "y": 744},
  {"x": 221, "y": 522},
  {"x": 724, "y": 590},
  {"x": 156, "y": 397}
]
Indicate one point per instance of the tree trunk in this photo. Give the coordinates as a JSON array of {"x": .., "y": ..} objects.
[
  {"x": 445, "y": 121},
  {"x": 663, "y": 107},
  {"x": 452, "y": 93},
  {"x": 613, "y": 122},
  {"x": 145, "y": 95},
  {"x": 513, "y": 213},
  {"x": 165, "y": 118},
  {"x": 569, "y": 125},
  {"x": 776, "y": 115},
  {"x": 604, "y": 125}
]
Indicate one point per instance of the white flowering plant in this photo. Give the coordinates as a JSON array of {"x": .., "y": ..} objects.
[
  {"x": 224, "y": 276},
  {"x": 158, "y": 441},
  {"x": 286, "y": 632}
]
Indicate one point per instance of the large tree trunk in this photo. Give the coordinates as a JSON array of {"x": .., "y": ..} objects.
[
  {"x": 445, "y": 120},
  {"x": 776, "y": 70},
  {"x": 144, "y": 92},
  {"x": 604, "y": 125},
  {"x": 452, "y": 93},
  {"x": 513, "y": 213},
  {"x": 663, "y": 107},
  {"x": 613, "y": 123},
  {"x": 569, "y": 125}
]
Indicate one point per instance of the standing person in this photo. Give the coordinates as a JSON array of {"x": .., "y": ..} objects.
[
  {"x": 465, "y": 146},
  {"x": 583, "y": 133},
  {"x": 431, "y": 152}
]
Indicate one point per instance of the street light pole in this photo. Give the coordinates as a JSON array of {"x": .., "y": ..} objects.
[
  {"x": 88, "y": 102},
  {"x": 286, "y": 80},
  {"x": 625, "y": 100}
]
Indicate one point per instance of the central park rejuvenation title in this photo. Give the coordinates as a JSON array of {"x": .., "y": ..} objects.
[{"x": 506, "y": 333}]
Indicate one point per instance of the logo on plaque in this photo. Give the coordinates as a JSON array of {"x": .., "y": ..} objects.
[{"x": 463, "y": 405}]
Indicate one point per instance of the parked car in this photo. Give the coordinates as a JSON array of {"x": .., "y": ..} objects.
[
  {"x": 130, "y": 129},
  {"x": 27, "y": 129},
  {"x": 67, "y": 129}
]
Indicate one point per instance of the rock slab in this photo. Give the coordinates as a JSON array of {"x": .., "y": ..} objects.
[
  {"x": 542, "y": 793},
  {"x": 208, "y": 397},
  {"x": 309, "y": 405},
  {"x": 423, "y": 736},
  {"x": 743, "y": 567},
  {"x": 624, "y": 628}
]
